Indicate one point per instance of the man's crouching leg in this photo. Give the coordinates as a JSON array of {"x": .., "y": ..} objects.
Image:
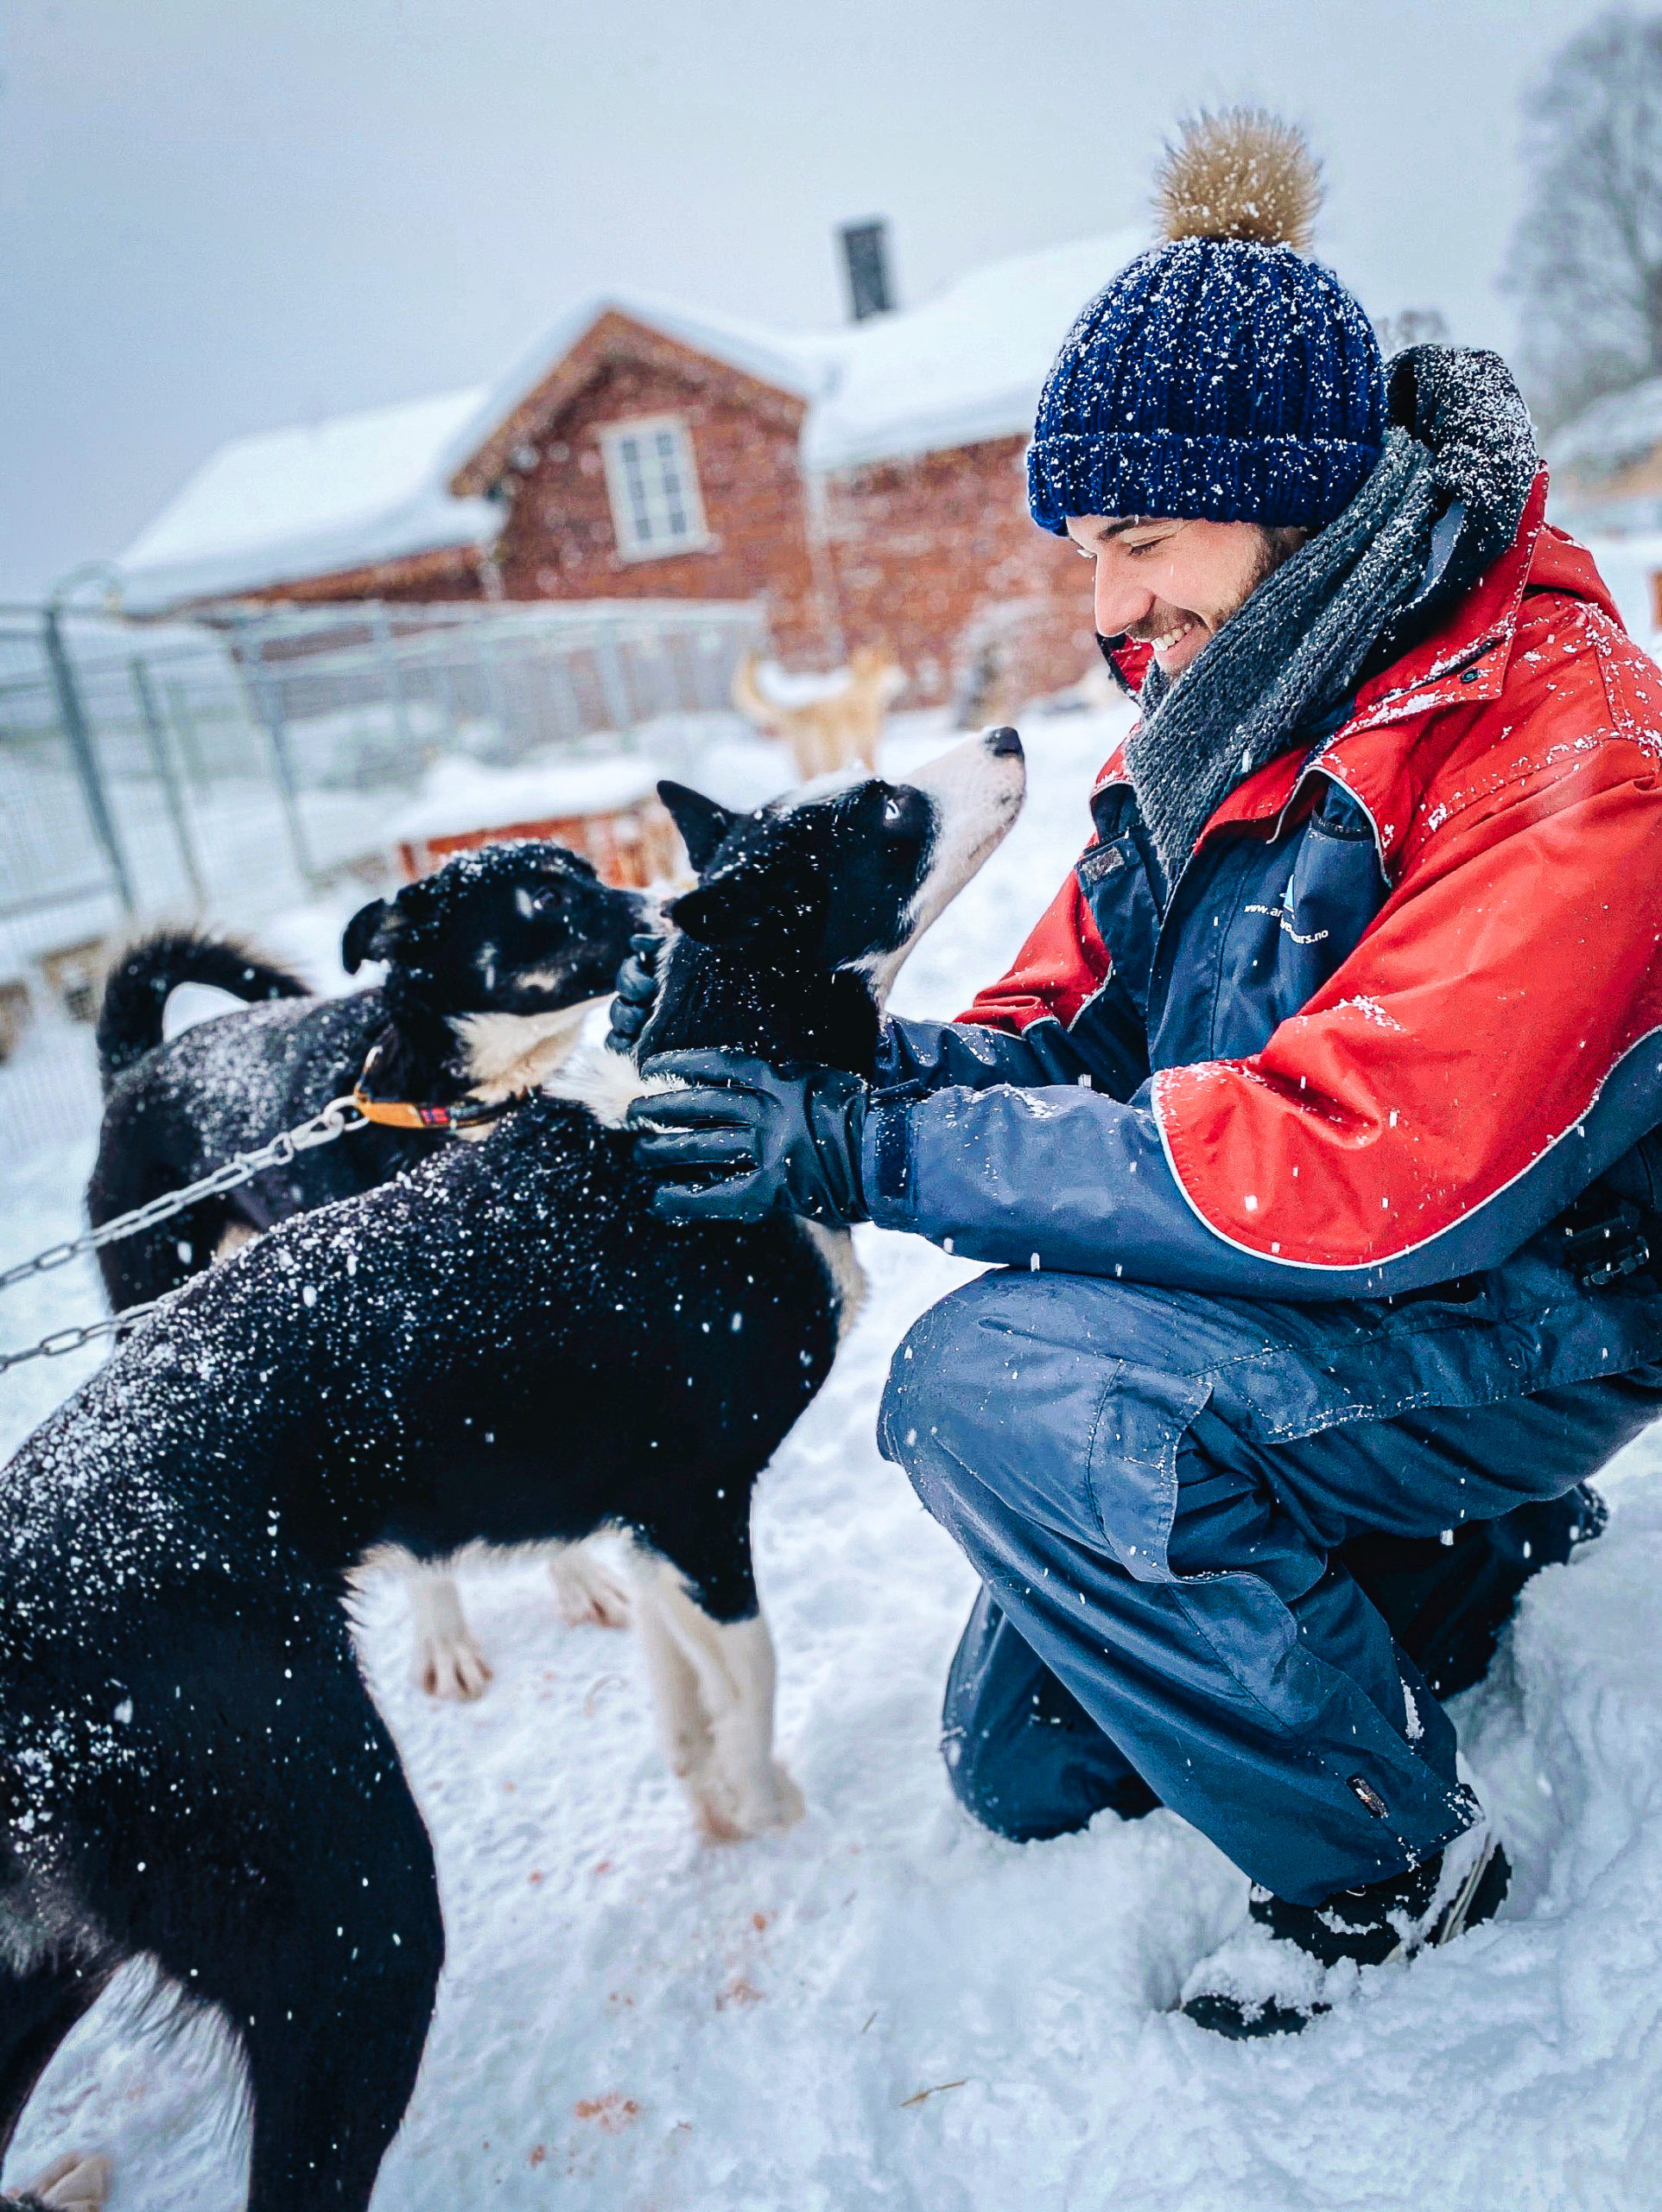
[
  {"x": 1062, "y": 1429},
  {"x": 1022, "y": 1753},
  {"x": 1026, "y": 1760}
]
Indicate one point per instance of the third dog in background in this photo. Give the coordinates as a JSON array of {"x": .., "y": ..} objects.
[{"x": 829, "y": 721}]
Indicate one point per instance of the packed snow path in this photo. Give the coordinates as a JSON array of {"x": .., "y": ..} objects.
[{"x": 886, "y": 2007}]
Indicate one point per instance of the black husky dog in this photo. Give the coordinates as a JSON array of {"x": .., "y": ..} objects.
[
  {"x": 483, "y": 957},
  {"x": 490, "y": 962},
  {"x": 191, "y": 1768}
]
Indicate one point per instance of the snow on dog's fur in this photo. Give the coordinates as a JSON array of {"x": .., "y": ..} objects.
[
  {"x": 492, "y": 963},
  {"x": 191, "y": 1768}
]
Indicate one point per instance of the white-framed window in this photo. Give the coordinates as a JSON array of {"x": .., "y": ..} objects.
[{"x": 653, "y": 483}]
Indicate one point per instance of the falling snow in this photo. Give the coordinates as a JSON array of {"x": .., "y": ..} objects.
[{"x": 885, "y": 2007}]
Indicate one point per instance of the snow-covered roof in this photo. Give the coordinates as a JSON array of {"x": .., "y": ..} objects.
[
  {"x": 965, "y": 367},
  {"x": 458, "y": 796},
  {"x": 781, "y": 359},
  {"x": 302, "y": 501},
  {"x": 1612, "y": 434}
]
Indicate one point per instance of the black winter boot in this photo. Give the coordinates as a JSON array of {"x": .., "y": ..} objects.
[{"x": 1292, "y": 1963}]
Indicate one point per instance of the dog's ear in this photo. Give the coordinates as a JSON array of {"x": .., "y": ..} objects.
[
  {"x": 369, "y": 935},
  {"x": 703, "y": 824},
  {"x": 731, "y": 903}
]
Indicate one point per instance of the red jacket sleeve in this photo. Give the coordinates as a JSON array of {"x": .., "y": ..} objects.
[{"x": 1063, "y": 963}]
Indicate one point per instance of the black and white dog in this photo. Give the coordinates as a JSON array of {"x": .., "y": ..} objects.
[
  {"x": 492, "y": 963},
  {"x": 487, "y": 958},
  {"x": 191, "y": 1768}
]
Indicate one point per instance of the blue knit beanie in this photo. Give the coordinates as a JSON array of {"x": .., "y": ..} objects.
[{"x": 1223, "y": 375}]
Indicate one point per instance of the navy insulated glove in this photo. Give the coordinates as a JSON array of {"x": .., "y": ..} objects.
[
  {"x": 750, "y": 1141},
  {"x": 636, "y": 987}
]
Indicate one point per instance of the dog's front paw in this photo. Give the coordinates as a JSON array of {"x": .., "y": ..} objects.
[
  {"x": 450, "y": 1667},
  {"x": 586, "y": 1593},
  {"x": 775, "y": 1803},
  {"x": 79, "y": 2181},
  {"x": 756, "y": 1805},
  {"x": 716, "y": 1823}
]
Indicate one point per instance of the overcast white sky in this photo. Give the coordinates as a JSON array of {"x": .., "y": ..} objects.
[{"x": 221, "y": 215}]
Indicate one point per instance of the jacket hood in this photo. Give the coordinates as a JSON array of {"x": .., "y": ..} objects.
[{"x": 1461, "y": 402}]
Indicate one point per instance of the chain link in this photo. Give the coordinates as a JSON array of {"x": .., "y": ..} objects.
[
  {"x": 71, "y": 1339},
  {"x": 336, "y": 1120}
]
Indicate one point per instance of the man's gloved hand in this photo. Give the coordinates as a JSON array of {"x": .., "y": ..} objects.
[
  {"x": 752, "y": 1140},
  {"x": 636, "y": 988}
]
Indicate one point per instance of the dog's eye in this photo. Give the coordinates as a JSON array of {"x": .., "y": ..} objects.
[{"x": 900, "y": 810}]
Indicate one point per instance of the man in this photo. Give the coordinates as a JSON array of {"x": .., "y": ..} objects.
[{"x": 1307, "y": 1124}]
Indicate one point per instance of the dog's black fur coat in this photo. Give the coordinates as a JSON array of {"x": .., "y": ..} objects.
[
  {"x": 461, "y": 941},
  {"x": 190, "y": 1764}
]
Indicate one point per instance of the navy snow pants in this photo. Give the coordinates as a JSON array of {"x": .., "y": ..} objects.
[{"x": 1166, "y": 1495}]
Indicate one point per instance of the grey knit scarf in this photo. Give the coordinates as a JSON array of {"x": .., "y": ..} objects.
[{"x": 1443, "y": 500}]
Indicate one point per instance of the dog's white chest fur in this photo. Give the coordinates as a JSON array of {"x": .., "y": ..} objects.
[{"x": 507, "y": 1053}]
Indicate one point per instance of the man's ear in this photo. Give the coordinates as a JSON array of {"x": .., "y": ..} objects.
[
  {"x": 703, "y": 824},
  {"x": 731, "y": 903},
  {"x": 369, "y": 935}
]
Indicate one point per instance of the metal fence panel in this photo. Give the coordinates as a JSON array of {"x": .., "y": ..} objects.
[
  {"x": 223, "y": 770},
  {"x": 227, "y": 767}
]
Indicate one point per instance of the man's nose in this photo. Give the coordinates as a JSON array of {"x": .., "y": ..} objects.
[{"x": 1119, "y": 601}]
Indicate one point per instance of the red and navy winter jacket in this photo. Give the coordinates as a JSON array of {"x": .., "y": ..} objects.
[{"x": 1403, "y": 1006}]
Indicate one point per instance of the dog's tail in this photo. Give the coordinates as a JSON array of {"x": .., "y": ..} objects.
[
  {"x": 136, "y": 990},
  {"x": 749, "y": 697}
]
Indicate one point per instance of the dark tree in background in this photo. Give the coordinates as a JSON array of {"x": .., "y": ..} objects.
[{"x": 1586, "y": 259}]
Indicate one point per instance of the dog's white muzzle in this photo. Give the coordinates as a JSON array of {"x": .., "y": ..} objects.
[{"x": 976, "y": 791}]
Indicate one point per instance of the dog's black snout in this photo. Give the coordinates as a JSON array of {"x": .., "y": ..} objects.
[{"x": 1003, "y": 744}]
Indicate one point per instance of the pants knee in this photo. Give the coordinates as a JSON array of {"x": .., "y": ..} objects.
[
  {"x": 1022, "y": 1755},
  {"x": 968, "y": 1386},
  {"x": 1009, "y": 1409},
  {"x": 915, "y": 1425}
]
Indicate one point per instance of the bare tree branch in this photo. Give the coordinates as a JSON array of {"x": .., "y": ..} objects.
[{"x": 1586, "y": 259}]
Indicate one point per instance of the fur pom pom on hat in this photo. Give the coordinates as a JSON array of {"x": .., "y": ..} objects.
[
  {"x": 1223, "y": 375},
  {"x": 1241, "y": 175}
]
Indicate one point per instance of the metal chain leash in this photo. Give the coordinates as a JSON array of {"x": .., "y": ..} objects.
[
  {"x": 323, "y": 1128},
  {"x": 71, "y": 1339},
  {"x": 337, "y": 1119}
]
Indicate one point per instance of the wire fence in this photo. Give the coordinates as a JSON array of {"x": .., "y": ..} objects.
[{"x": 225, "y": 771}]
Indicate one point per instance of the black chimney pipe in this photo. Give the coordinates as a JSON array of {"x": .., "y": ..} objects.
[{"x": 865, "y": 267}]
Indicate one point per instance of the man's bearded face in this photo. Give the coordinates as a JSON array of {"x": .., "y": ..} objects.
[{"x": 1174, "y": 584}]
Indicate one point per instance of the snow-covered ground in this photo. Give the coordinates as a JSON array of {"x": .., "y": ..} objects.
[{"x": 886, "y": 2007}]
